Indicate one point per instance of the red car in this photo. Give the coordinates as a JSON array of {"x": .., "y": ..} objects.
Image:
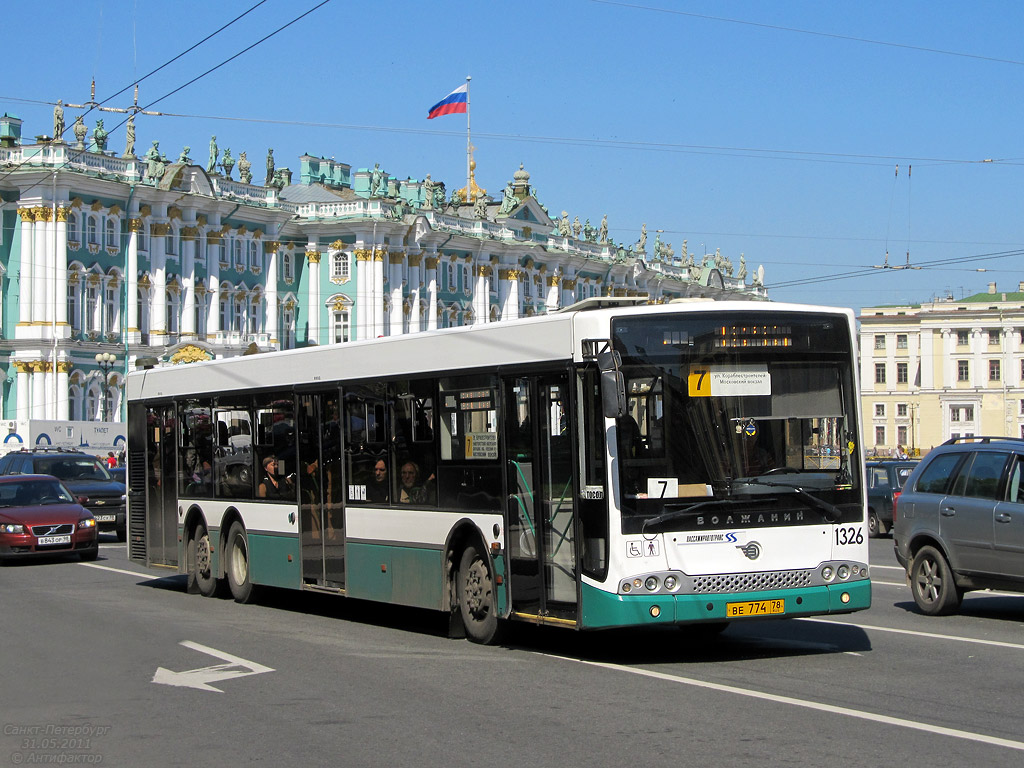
[{"x": 39, "y": 516}]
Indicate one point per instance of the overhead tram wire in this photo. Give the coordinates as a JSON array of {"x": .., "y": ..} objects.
[
  {"x": 204, "y": 74},
  {"x": 934, "y": 264},
  {"x": 99, "y": 105}
]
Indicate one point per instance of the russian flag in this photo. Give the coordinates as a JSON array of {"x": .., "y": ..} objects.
[{"x": 451, "y": 104}]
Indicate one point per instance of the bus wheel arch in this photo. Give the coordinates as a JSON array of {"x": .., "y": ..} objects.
[{"x": 236, "y": 563}]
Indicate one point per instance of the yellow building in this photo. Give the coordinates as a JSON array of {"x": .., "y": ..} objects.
[{"x": 948, "y": 368}]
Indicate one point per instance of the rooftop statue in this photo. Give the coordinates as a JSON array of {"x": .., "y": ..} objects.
[
  {"x": 183, "y": 158},
  {"x": 742, "y": 274},
  {"x": 603, "y": 234},
  {"x": 576, "y": 227},
  {"x": 375, "y": 179},
  {"x": 508, "y": 200},
  {"x": 564, "y": 227},
  {"x": 80, "y": 132},
  {"x": 211, "y": 164},
  {"x": 227, "y": 162},
  {"x": 99, "y": 137},
  {"x": 270, "y": 168},
  {"x": 428, "y": 193},
  {"x": 58, "y": 121},
  {"x": 480, "y": 208},
  {"x": 641, "y": 246},
  {"x": 129, "y": 146},
  {"x": 244, "y": 169}
]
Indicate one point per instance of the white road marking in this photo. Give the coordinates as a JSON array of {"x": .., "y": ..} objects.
[
  {"x": 887, "y": 567},
  {"x": 916, "y": 633},
  {"x": 119, "y": 570},
  {"x": 807, "y": 704},
  {"x": 201, "y": 678}
]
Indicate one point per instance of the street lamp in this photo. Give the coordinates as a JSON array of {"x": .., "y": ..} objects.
[{"x": 105, "y": 360}]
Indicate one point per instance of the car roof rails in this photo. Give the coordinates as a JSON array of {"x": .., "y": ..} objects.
[{"x": 983, "y": 439}]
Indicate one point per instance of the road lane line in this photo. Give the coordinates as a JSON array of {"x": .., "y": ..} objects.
[
  {"x": 807, "y": 704},
  {"x": 889, "y": 583},
  {"x": 120, "y": 570},
  {"x": 915, "y": 633},
  {"x": 874, "y": 567}
]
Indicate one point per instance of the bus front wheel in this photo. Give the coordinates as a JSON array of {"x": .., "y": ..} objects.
[
  {"x": 476, "y": 597},
  {"x": 237, "y": 560}
]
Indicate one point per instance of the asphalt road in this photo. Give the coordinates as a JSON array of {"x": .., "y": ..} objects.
[{"x": 95, "y": 654}]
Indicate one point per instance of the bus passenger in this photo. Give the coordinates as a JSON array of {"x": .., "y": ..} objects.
[
  {"x": 411, "y": 491},
  {"x": 377, "y": 489},
  {"x": 271, "y": 486}
]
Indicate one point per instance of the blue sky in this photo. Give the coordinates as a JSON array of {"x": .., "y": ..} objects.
[{"x": 771, "y": 129}]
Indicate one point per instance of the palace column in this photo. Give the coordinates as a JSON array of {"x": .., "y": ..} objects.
[
  {"x": 313, "y": 304},
  {"x": 60, "y": 275},
  {"x": 568, "y": 291},
  {"x": 38, "y": 368},
  {"x": 414, "y": 293},
  {"x": 213, "y": 240},
  {"x": 270, "y": 247},
  {"x": 431, "y": 264},
  {"x": 25, "y": 302},
  {"x": 377, "y": 299},
  {"x": 158, "y": 297},
  {"x": 363, "y": 319},
  {"x": 510, "y": 293},
  {"x": 554, "y": 292},
  {"x": 481, "y": 294},
  {"x": 24, "y": 391},
  {"x": 132, "y": 335},
  {"x": 39, "y": 299},
  {"x": 395, "y": 261},
  {"x": 189, "y": 235}
]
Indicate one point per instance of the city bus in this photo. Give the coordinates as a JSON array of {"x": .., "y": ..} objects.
[{"x": 607, "y": 465}]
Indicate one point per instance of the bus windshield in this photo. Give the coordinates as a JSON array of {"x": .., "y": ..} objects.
[{"x": 738, "y": 416}]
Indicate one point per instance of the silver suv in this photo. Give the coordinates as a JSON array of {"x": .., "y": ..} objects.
[{"x": 960, "y": 521}]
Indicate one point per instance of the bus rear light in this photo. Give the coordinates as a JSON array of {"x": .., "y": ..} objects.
[
  {"x": 655, "y": 611},
  {"x": 845, "y": 597},
  {"x": 895, "y": 498}
]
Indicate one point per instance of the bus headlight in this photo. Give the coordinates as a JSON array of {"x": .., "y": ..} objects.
[
  {"x": 651, "y": 583},
  {"x": 827, "y": 573},
  {"x": 671, "y": 582},
  {"x": 843, "y": 572}
]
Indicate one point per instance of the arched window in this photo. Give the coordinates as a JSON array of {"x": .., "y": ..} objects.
[
  {"x": 111, "y": 233},
  {"x": 171, "y": 242},
  {"x": 238, "y": 314},
  {"x": 340, "y": 326},
  {"x": 75, "y": 402},
  {"x": 91, "y": 231},
  {"x": 172, "y": 311},
  {"x": 92, "y": 403},
  {"x": 239, "y": 263},
  {"x": 143, "y": 240},
  {"x": 200, "y": 322},
  {"x": 73, "y": 227},
  {"x": 286, "y": 262},
  {"x": 340, "y": 267},
  {"x": 253, "y": 256},
  {"x": 93, "y": 307},
  {"x": 288, "y": 327}
]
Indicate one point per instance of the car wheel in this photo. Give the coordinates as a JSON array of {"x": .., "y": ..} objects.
[
  {"x": 122, "y": 533},
  {"x": 199, "y": 564},
  {"x": 88, "y": 555},
  {"x": 931, "y": 581},
  {"x": 476, "y": 597},
  {"x": 873, "y": 524},
  {"x": 237, "y": 561}
]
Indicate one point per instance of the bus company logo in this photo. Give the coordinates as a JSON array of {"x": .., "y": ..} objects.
[
  {"x": 752, "y": 551},
  {"x": 710, "y": 538},
  {"x": 750, "y": 520}
]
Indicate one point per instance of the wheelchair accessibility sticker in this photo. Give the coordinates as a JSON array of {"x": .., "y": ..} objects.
[{"x": 643, "y": 548}]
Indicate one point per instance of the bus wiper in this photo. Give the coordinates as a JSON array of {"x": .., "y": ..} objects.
[
  {"x": 830, "y": 512},
  {"x": 681, "y": 512}
]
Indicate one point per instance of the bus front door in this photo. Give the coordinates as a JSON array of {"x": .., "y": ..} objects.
[
  {"x": 319, "y": 479},
  {"x": 541, "y": 524}
]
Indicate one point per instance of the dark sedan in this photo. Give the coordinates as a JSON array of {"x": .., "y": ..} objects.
[{"x": 39, "y": 516}]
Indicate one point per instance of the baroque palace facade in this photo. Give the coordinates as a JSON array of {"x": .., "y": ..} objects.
[
  {"x": 942, "y": 369},
  {"x": 145, "y": 257}
]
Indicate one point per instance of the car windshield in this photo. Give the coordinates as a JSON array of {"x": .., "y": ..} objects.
[
  {"x": 72, "y": 469},
  {"x": 760, "y": 415},
  {"x": 31, "y": 493}
]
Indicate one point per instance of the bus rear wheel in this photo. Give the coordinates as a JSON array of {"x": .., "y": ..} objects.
[
  {"x": 236, "y": 555},
  {"x": 476, "y": 597},
  {"x": 199, "y": 564}
]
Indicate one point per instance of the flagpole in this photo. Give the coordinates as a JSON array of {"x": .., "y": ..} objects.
[{"x": 469, "y": 147}]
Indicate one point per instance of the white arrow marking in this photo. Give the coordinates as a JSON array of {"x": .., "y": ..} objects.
[{"x": 202, "y": 677}]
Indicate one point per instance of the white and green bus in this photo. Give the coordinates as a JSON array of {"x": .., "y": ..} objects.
[{"x": 607, "y": 465}]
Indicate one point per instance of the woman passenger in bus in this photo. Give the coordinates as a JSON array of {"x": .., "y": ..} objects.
[{"x": 272, "y": 486}]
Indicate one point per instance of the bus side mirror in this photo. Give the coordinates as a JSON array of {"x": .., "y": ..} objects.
[{"x": 613, "y": 394}]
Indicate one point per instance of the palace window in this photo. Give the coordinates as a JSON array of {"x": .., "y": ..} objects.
[
  {"x": 879, "y": 373},
  {"x": 111, "y": 238},
  {"x": 994, "y": 370},
  {"x": 73, "y": 227},
  {"x": 901, "y": 410},
  {"x": 74, "y": 308},
  {"x": 254, "y": 315},
  {"x": 880, "y": 341},
  {"x": 993, "y": 337},
  {"x": 340, "y": 266},
  {"x": 879, "y": 435},
  {"x": 340, "y": 326},
  {"x": 880, "y": 410},
  {"x": 901, "y": 341},
  {"x": 112, "y": 305},
  {"x": 962, "y": 338},
  {"x": 286, "y": 265},
  {"x": 901, "y": 373},
  {"x": 963, "y": 370},
  {"x": 91, "y": 231}
]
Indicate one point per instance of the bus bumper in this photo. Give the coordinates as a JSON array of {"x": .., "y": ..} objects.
[{"x": 603, "y": 610}]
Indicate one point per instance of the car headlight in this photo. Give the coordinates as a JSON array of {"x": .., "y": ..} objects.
[
  {"x": 11, "y": 528},
  {"x": 87, "y": 522},
  {"x": 124, "y": 497}
]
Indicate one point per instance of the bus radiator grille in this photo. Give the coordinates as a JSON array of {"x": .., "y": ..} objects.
[{"x": 745, "y": 582}]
